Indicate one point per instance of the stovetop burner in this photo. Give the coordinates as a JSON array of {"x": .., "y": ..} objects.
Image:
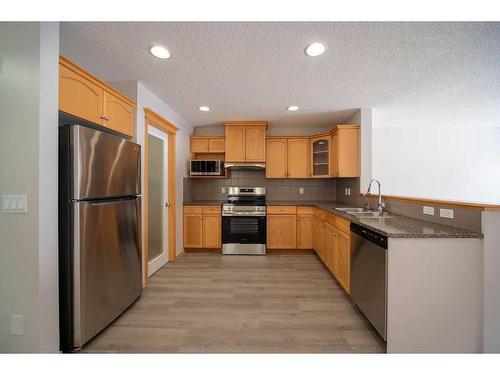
[{"x": 246, "y": 196}]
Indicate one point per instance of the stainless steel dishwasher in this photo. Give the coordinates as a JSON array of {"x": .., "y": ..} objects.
[{"x": 369, "y": 275}]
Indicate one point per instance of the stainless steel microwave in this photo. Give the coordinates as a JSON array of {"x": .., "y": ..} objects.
[{"x": 206, "y": 168}]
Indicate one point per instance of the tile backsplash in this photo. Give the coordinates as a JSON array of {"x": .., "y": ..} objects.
[
  {"x": 284, "y": 189},
  {"x": 279, "y": 189}
]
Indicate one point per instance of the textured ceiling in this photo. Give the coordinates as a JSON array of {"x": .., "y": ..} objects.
[{"x": 255, "y": 70}]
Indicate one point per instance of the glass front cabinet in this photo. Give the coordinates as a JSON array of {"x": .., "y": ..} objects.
[{"x": 320, "y": 148}]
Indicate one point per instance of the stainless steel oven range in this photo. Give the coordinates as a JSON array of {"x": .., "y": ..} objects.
[{"x": 244, "y": 221}]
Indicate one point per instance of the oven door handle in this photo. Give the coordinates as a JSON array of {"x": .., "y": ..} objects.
[{"x": 234, "y": 214}]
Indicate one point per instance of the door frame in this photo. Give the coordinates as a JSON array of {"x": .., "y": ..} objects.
[
  {"x": 156, "y": 263},
  {"x": 153, "y": 119}
]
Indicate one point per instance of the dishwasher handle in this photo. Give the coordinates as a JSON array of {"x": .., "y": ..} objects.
[{"x": 370, "y": 235}]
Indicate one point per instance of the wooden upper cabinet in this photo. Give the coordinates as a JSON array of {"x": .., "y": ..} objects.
[
  {"x": 216, "y": 145},
  {"x": 235, "y": 143},
  {"x": 80, "y": 96},
  {"x": 276, "y": 158},
  {"x": 320, "y": 156},
  {"x": 334, "y": 156},
  {"x": 207, "y": 144},
  {"x": 299, "y": 158},
  {"x": 345, "y": 154},
  {"x": 255, "y": 143},
  {"x": 83, "y": 95},
  {"x": 199, "y": 145},
  {"x": 119, "y": 114},
  {"x": 245, "y": 141}
]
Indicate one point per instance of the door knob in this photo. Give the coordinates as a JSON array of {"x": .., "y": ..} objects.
[{"x": 167, "y": 204}]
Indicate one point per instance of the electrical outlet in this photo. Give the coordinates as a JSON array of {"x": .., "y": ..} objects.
[
  {"x": 445, "y": 212},
  {"x": 301, "y": 191},
  {"x": 428, "y": 210},
  {"x": 223, "y": 190},
  {"x": 348, "y": 191},
  {"x": 16, "y": 325}
]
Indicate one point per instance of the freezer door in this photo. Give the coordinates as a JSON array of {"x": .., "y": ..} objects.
[
  {"x": 107, "y": 264},
  {"x": 102, "y": 164}
]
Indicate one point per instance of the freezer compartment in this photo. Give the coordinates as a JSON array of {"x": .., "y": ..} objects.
[
  {"x": 106, "y": 263},
  {"x": 101, "y": 164}
]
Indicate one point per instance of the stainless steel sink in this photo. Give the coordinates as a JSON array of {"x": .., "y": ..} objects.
[
  {"x": 363, "y": 213},
  {"x": 351, "y": 210}
]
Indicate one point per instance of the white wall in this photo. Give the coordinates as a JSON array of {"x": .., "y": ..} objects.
[
  {"x": 441, "y": 138},
  {"x": 28, "y": 165}
]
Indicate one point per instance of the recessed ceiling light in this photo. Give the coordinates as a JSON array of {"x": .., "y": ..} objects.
[
  {"x": 292, "y": 108},
  {"x": 315, "y": 49},
  {"x": 160, "y": 52},
  {"x": 204, "y": 108}
]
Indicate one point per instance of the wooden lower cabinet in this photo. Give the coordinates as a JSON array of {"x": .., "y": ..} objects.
[
  {"x": 333, "y": 246},
  {"x": 304, "y": 231},
  {"x": 202, "y": 227},
  {"x": 193, "y": 230},
  {"x": 330, "y": 248},
  {"x": 282, "y": 231},
  {"x": 343, "y": 259}
]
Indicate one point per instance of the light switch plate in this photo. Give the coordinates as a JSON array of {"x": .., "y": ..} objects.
[
  {"x": 223, "y": 190},
  {"x": 428, "y": 210},
  {"x": 301, "y": 191},
  {"x": 447, "y": 213},
  {"x": 15, "y": 204},
  {"x": 16, "y": 325}
]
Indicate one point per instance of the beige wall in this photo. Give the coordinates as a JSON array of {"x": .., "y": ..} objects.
[{"x": 28, "y": 165}]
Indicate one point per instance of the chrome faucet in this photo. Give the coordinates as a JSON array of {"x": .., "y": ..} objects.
[{"x": 381, "y": 203}]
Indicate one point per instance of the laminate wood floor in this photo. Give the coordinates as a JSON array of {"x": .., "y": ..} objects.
[{"x": 209, "y": 303}]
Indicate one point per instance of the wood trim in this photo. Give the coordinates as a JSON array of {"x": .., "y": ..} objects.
[
  {"x": 153, "y": 119},
  {"x": 207, "y": 137},
  {"x": 239, "y": 123},
  {"x": 159, "y": 122},
  {"x": 472, "y": 205},
  {"x": 67, "y": 63}
]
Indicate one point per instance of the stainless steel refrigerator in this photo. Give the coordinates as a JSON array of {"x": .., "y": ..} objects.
[{"x": 99, "y": 231}]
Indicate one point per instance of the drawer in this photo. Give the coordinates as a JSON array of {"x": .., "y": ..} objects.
[
  {"x": 305, "y": 210},
  {"x": 211, "y": 209},
  {"x": 343, "y": 224},
  {"x": 193, "y": 209},
  {"x": 281, "y": 210},
  {"x": 320, "y": 213}
]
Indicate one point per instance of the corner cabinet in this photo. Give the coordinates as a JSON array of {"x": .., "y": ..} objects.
[
  {"x": 85, "y": 96},
  {"x": 245, "y": 141},
  {"x": 320, "y": 156}
]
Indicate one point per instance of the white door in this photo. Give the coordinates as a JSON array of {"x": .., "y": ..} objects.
[{"x": 157, "y": 160}]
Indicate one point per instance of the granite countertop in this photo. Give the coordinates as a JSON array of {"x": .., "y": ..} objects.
[{"x": 396, "y": 226}]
